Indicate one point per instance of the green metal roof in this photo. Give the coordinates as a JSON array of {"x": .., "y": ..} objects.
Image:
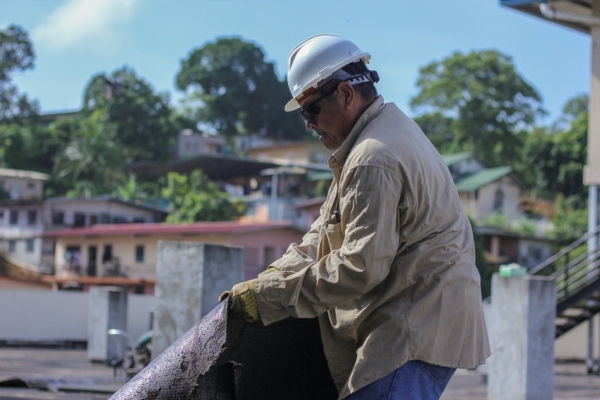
[
  {"x": 320, "y": 176},
  {"x": 451, "y": 159},
  {"x": 482, "y": 178}
]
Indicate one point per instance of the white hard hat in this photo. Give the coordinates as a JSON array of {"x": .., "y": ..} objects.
[{"x": 316, "y": 59}]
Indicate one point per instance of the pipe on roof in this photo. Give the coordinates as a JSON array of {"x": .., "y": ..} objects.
[{"x": 552, "y": 14}]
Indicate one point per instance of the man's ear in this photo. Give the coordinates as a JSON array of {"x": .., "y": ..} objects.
[{"x": 348, "y": 94}]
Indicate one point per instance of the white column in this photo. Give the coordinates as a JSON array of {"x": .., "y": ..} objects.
[
  {"x": 591, "y": 173},
  {"x": 521, "y": 328},
  {"x": 592, "y": 242}
]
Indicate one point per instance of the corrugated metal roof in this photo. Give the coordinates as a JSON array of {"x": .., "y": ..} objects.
[
  {"x": 17, "y": 173},
  {"x": 451, "y": 159},
  {"x": 107, "y": 198},
  {"x": 320, "y": 176},
  {"x": 231, "y": 227},
  {"x": 482, "y": 178}
]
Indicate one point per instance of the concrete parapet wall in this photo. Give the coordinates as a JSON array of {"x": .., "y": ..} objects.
[
  {"x": 44, "y": 317},
  {"x": 189, "y": 278}
]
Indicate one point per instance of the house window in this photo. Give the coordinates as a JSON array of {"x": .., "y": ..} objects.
[
  {"x": 12, "y": 246},
  {"x": 29, "y": 245},
  {"x": 79, "y": 220},
  {"x": 139, "y": 253},
  {"x": 107, "y": 254},
  {"x": 93, "y": 219},
  {"x": 58, "y": 218},
  {"x": 72, "y": 259},
  {"x": 30, "y": 185},
  {"x": 498, "y": 200},
  {"x": 31, "y": 217},
  {"x": 48, "y": 247},
  {"x": 14, "y": 217}
]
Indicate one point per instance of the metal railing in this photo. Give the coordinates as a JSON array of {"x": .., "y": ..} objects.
[{"x": 576, "y": 269}]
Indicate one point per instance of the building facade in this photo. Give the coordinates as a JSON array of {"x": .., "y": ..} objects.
[
  {"x": 130, "y": 250},
  {"x": 21, "y": 222}
]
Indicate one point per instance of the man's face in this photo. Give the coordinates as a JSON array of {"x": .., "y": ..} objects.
[{"x": 331, "y": 122}]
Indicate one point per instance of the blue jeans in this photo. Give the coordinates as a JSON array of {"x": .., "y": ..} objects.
[{"x": 415, "y": 380}]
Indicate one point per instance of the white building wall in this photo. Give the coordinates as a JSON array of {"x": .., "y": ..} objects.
[
  {"x": 470, "y": 204},
  {"x": 29, "y": 315},
  {"x": 510, "y": 203},
  {"x": 21, "y": 240},
  {"x": 22, "y": 188}
]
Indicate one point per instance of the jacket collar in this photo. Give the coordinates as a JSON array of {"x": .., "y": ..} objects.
[{"x": 338, "y": 158}]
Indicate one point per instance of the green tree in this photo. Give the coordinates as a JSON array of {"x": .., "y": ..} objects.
[
  {"x": 146, "y": 127},
  {"x": 481, "y": 100},
  {"x": 553, "y": 157},
  {"x": 18, "y": 128},
  {"x": 438, "y": 129},
  {"x": 16, "y": 54},
  {"x": 235, "y": 91},
  {"x": 91, "y": 163},
  {"x": 569, "y": 224},
  {"x": 196, "y": 198}
]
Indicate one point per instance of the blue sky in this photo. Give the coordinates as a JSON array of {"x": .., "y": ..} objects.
[{"x": 76, "y": 39}]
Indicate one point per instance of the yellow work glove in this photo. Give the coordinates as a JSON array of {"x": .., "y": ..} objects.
[
  {"x": 243, "y": 300},
  {"x": 268, "y": 271}
]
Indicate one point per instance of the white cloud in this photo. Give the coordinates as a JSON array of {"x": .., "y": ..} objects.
[{"x": 80, "y": 23}]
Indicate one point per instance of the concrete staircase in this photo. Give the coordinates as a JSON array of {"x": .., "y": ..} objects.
[{"x": 577, "y": 274}]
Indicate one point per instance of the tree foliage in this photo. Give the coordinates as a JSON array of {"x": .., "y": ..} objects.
[
  {"x": 554, "y": 157},
  {"x": 569, "y": 223},
  {"x": 477, "y": 102},
  {"x": 16, "y": 54},
  {"x": 196, "y": 198},
  {"x": 235, "y": 91},
  {"x": 91, "y": 163},
  {"x": 145, "y": 125}
]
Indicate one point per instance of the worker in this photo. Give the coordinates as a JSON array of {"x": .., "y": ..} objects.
[{"x": 389, "y": 265}]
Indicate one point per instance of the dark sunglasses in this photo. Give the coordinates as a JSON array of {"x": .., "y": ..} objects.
[{"x": 310, "y": 112}]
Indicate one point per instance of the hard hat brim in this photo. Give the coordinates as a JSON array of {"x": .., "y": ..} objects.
[{"x": 292, "y": 105}]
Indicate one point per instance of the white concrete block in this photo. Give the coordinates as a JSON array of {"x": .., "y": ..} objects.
[
  {"x": 107, "y": 309},
  {"x": 189, "y": 279},
  {"x": 522, "y": 329}
]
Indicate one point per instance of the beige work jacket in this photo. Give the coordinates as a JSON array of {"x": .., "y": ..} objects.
[{"x": 394, "y": 279}]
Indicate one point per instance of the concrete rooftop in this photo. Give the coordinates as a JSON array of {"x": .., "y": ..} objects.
[{"x": 66, "y": 374}]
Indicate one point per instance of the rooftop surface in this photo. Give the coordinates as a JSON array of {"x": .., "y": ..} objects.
[{"x": 66, "y": 374}]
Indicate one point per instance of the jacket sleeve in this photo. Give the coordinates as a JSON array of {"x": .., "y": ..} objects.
[
  {"x": 299, "y": 256},
  {"x": 362, "y": 248}
]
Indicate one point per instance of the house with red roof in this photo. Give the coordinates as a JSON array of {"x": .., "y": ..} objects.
[{"x": 126, "y": 254}]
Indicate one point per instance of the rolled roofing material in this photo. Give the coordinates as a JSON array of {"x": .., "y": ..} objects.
[{"x": 223, "y": 357}]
